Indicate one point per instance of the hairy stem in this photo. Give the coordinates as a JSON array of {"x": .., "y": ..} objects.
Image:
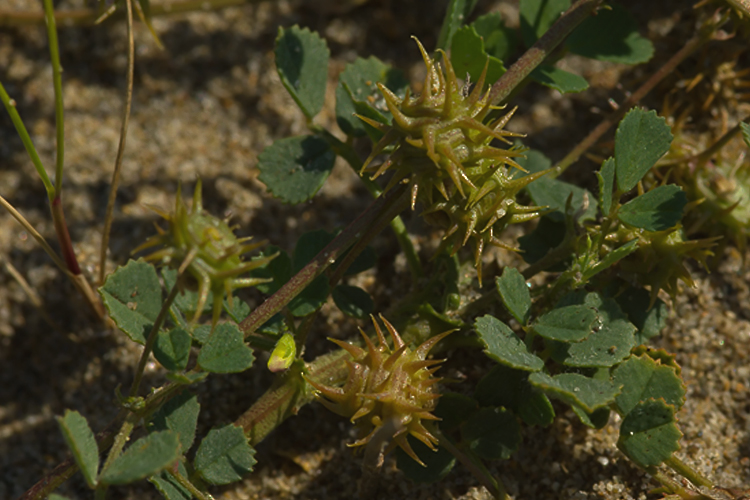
[
  {"x": 322, "y": 261},
  {"x": 346, "y": 151},
  {"x": 533, "y": 57}
]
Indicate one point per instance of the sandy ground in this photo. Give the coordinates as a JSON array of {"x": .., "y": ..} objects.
[{"x": 205, "y": 108}]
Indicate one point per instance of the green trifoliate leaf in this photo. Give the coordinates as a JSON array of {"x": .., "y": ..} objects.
[
  {"x": 302, "y": 63},
  {"x": 144, "y": 458},
  {"x": 649, "y": 322},
  {"x": 554, "y": 193},
  {"x": 642, "y": 378},
  {"x": 168, "y": 487},
  {"x": 437, "y": 464},
  {"x": 504, "y": 346},
  {"x": 514, "y": 294},
  {"x": 453, "y": 409},
  {"x": 132, "y": 296},
  {"x": 455, "y": 16},
  {"x": 566, "y": 324},
  {"x": 172, "y": 349},
  {"x": 641, "y": 139},
  {"x": 225, "y": 351},
  {"x": 353, "y": 301},
  {"x": 611, "y": 35},
  {"x": 358, "y": 86},
  {"x": 576, "y": 389},
  {"x": 649, "y": 433},
  {"x": 492, "y": 433},
  {"x": 537, "y": 16},
  {"x": 510, "y": 388},
  {"x": 283, "y": 354},
  {"x": 657, "y": 210},
  {"x": 596, "y": 419},
  {"x": 499, "y": 40},
  {"x": 180, "y": 415},
  {"x": 558, "y": 79},
  {"x": 606, "y": 178},
  {"x": 468, "y": 56},
  {"x": 82, "y": 443},
  {"x": 607, "y": 346},
  {"x": 295, "y": 168},
  {"x": 224, "y": 456}
]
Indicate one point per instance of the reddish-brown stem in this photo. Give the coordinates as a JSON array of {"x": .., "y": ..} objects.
[
  {"x": 541, "y": 49},
  {"x": 359, "y": 227}
]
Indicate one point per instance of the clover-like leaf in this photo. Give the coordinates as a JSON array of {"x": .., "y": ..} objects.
[
  {"x": 649, "y": 433},
  {"x": 514, "y": 294},
  {"x": 224, "y": 455},
  {"x": 558, "y": 79},
  {"x": 492, "y": 433},
  {"x": 302, "y": 63},
  {"x": 455, "y": 16},
  {"x": 82, "y": 443},
  {"x": 225, "y": 351},
  {"x": 504, "y": 346},
  {"x": 649, "y": 322},
  {"x": 468, "y": 56},
  {"x": 499, "y": 40},
  {"x": 180, "y": 415},
  {"x": 554, "y": 193},
  {"x": 172, "y": 348},
  {"x": 641, "y": 138},
  {"x": 596, "y": 419},
  {"x": 642, "y": 378},
  {"x": 144, "y": 458},
  {"x": 607, "y": 346},
  {"x": 576, "y": 389},
  {"x": 295, "y": 168},
  {"x": 353, "y": 301},
  {"x": 657, "y": 210},
  {"x": 537, "y": 16},
  {"x": 132, "y": 296},
  {"x": 611, "y": 35},
  {"x": 510, "y": 388},
  {"x": 566, "y": 324}
]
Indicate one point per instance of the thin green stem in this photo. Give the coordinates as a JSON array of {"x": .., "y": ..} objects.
[
  {"x": 152, "y": 336},
  {"x": 117, "y": 446},
  {"x": 54, "y": 57},
  {"x": 185, "y": 483},
  {"x": 687, "y": 472},
  {"x": 120, "y": 147},
  {"x": 10, "y": 106},
  {"x": 543, "y": 47}
]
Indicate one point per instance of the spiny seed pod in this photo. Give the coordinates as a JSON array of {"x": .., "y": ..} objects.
[
  {"x": 387, "y": 389},
  {"x": 206, "y": 248},
  {"x": 443, "y": 149}
]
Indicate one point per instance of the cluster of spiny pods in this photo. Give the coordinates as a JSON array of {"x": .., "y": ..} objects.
[{"x": 441, "y": 146}]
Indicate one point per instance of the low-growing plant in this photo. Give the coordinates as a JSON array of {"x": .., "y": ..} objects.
[{"x": 572, "y": 325}]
